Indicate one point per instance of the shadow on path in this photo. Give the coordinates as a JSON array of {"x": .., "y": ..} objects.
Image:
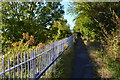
[{"x": 82, "y": 66}]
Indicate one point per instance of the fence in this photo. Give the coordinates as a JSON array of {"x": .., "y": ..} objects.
[{"x": 33, "y": 64}]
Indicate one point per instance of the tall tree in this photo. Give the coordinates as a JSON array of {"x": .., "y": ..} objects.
[
  {"x": 59, "y": 29},
  {"x": 28, "y": 17},
  {"x": 99, "y": 18}
]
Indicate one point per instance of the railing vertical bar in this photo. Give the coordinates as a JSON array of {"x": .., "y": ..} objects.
[
  {"x": 35, "y": 62},
  {"x": 63, "y": 46},
  {"x": 18, "y": 68},
  {"x": 52, "y": 52},
  {"x": 32, "y": 64},
  {"x": 43, "y": 58},
  {"x": 38, "y": 61},
  {"x": 42, "y": 65},
  {"x": 58, "y": 48},
  {"x": 51, "y": 59},
  {"x": 14, "y": 66},
  {"x": 25, "y": 64},
  {"x": 28, "y": 66},
  {"x": 46, "y": 74},
  {"x": 52, "y": 69},
  {"x": 51, "y": 55},
  {"x": 9, "y": 67},
  {"x": 21, "y": 66}
]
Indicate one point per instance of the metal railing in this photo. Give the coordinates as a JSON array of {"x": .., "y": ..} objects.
[{"x": 33, "y": 64}]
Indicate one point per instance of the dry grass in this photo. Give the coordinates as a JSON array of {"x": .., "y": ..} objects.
[
  {"x": 101, "y": 68},
  {"x": 104, "y": 73}
]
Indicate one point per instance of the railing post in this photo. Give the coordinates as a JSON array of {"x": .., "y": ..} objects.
[
  {"x": 32, "y": 65},
  {"x": 21, "y": 72},
  {"x": 25, "y": 64}
]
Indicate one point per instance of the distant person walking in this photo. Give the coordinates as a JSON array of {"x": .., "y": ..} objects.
[{"x": 79, "y": 34}]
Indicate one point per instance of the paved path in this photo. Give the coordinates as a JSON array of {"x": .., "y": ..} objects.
[{"x": 82, "y": 67}]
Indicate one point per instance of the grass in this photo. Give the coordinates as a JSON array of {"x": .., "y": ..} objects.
[
  {"x": 106, "y": 62},
  {"x": 64, "y": 64},
  {"x": 68, "y": 58},
  {"x": 97, "y": 59}
]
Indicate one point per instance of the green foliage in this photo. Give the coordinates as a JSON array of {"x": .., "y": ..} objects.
[
  {"x": 33, "y": 18},
  {"x": 101, "y": 22},
  {"x": 59, "y": 30}
]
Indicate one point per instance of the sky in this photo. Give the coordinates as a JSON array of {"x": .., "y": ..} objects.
[{"x": 68, "y": 16}]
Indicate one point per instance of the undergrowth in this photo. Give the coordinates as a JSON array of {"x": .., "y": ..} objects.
[
  {"x": 64, "y": 64},
  {"x": 106, "y": 57}
]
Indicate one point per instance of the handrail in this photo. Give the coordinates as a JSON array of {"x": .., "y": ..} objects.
[{"x": 34, "y": 64}]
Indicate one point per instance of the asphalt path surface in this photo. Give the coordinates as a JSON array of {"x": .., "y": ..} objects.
[{"x": 82, "y": 66}]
